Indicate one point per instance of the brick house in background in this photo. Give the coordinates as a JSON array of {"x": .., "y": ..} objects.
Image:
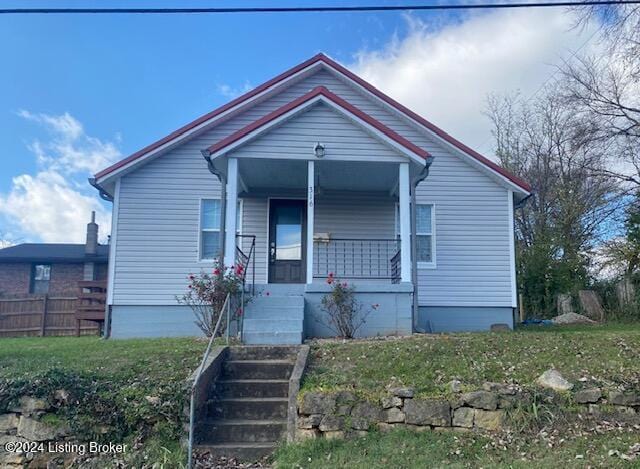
[{"x": 50, "y": 268}]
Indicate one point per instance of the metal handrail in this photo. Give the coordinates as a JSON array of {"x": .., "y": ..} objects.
[
  {"x": 247, "y": 258},
  {"x": 355, "y": 258},
  {"x": 192, "y": 410}
]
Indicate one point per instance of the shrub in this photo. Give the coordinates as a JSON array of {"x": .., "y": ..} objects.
[
  {"x": 345, "y": 314},
  {"x": 206, "y": 294}
]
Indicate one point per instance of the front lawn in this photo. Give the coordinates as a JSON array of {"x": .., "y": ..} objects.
[
  {"x": 134, "y": 391},
  {"x": 120, "y": 391},
  {"x": 407, "y": 449},
  {"x": 600, "y": 355}
]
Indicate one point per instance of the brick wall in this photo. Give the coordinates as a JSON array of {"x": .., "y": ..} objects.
[
  {"x": 15, "y": 279},
  {"x": 65, "y": 278}
]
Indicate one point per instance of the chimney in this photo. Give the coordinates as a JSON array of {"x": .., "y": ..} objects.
[{"x": 91, "y": 246}]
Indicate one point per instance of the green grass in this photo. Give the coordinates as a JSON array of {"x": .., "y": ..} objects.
[
  {"x": 109, "y": 381},
  {"x": 160, "y": 359},
  {"x": 601, "y": 354},
  {"x": 406, "y": 449}
]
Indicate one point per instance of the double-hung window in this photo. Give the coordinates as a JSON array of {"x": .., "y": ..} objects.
[
  {"x": 425, "y": 229},
  {"x": 210, "y": 238},
  {"x": 424, "y": 235}
]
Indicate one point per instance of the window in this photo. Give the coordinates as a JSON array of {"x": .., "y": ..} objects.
[
  {"x": 210, "y": 240},
  {"x": 40, "y": 276},
  {"x": 424, "y": 233}
]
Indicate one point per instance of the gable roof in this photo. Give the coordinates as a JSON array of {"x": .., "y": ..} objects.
[
  {"x": 52, "y": 252},
  {"x": 319, "y": 93},
  {"x": 274, "y": 82}
]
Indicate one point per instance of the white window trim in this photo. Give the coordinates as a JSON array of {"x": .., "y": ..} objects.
[
  {"x": 433, "y": 263},
  {"x": 206, "y": 260}
]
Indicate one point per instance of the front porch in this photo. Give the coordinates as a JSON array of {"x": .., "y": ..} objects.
[{"x": 299, "y": 221}]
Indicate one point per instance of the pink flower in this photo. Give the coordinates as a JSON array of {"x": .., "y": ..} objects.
[
  {"x": 375, "y": 306},
  {"x": 216, "y": 271},
  {"x": 331, "y": 274},
  {"x": 329, "y": 279},
  {"x": 190, "y": 287},
  {"x": 345, "y": 284},
  {"x": 191, "y": 277},
  {"x": 267, "y": 293},
  {"x": 239, "y": 311}
]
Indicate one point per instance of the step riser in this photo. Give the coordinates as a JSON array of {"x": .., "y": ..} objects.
[
  {"x": 243, "y": 410},
  {"x": 240, "y": 453},
  {"x": 263, "y": 353},
  {"x": 273, "y": 338},
  {"x": 252, "y": 390},
  {"x": 271, "y": 325},
  {"x": 247, "y": 370},
  {"x": 249, "y": 433}
]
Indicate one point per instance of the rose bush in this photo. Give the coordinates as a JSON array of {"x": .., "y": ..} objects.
[{"x": 206, "y": 293}]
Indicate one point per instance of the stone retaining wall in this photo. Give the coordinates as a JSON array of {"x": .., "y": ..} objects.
[
  {"x": 342, "y": 414},
  {"x": 28, "y": 423}
]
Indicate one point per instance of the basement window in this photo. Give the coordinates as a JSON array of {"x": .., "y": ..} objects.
[{"x": 40, "y": 277}]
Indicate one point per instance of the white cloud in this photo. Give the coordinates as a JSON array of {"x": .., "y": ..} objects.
[
  {"x": 231, "y": 92},
  {"x": 47, "y": 206},
  {"x": 446, "y": 74},
  {"x": 70, "y": 150},
  {"x": 54, "y": 205}
]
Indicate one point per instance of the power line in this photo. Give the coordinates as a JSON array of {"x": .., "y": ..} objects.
[{"x": 314, "y": 9}]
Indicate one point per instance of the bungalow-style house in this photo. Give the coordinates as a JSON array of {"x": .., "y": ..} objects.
[
  {"x": 33, "y": 269},
  {"x": 312, "y": 173}
]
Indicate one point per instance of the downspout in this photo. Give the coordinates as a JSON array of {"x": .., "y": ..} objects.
[
  {"x": 414, "y": 249},
  {"x": 223, "y": 197},
  {"x": 106, "y": 333},
  {"x": 517, "y": 206}
]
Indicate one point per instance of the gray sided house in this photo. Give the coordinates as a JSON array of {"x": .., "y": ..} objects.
[{"x": 311, "y": 173}]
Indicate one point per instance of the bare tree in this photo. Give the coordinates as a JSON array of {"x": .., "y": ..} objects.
[
  {"x": 547, "y": 144},
  {"x": 604, "y": 91}
]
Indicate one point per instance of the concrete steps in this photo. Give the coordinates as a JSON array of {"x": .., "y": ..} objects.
[
  {"x": 242, "y": 451},
  {"x": 274, "y": 319},
  {"x": 246, "y": 414}
]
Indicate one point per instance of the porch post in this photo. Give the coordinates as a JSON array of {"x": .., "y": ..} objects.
[
  {"x": 405, "y": 222},
  {"x": 230, "y": 213},
  {"x": 310, "y": 216}
]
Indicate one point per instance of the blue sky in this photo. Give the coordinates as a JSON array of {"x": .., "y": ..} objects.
[{"x": 99, "y": 87}]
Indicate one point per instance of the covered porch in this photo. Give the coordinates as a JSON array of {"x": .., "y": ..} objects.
[{"x": 297, "y": 222}]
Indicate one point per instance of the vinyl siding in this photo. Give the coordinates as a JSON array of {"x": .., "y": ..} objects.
[
  {"x": 295, "y": 139},
  {"x": 472, "y": 238},
  {"x": 158, "y": 219}
]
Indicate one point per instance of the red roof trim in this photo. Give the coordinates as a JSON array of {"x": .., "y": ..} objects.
[
  {"x": 210, "y": 115},
  {"x": 318, "y": 91},
  {"x": 283, "y": 76},
  {"x": 435, "y": 129}
]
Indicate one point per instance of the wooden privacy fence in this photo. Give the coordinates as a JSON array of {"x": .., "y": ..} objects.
[{"x": 42, "y": 316}]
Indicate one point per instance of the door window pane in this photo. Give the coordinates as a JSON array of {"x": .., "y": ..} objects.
[{"x": 288, "y": 221}]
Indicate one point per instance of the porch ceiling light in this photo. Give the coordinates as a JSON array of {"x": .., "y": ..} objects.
[{"x": 318, "y": 150}]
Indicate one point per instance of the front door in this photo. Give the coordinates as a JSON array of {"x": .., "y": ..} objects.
[{"x": 287, "y": 233}]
